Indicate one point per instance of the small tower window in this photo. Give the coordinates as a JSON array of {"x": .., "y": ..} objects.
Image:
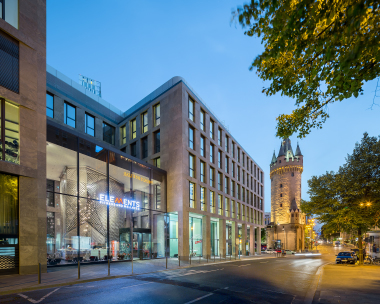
[
  {"x": 292, "y": 173},
  {"x": 281, "y": 195},
  {"x": 292, "y": 214},
  {"x": 280, "y": 185},
  {"x": 280, "y": 161},
  {"x": 280, "y": 205}
]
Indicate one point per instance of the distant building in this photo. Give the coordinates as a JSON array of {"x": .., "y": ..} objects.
[
  {"x": 91, "y": 85},
  {"x": 287, "y": 220},
  {"x": 267, "y": 218}
]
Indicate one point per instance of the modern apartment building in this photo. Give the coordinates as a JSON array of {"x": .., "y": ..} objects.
[
  {"x": 23, "y": 136},
  {"x": 81, "y": 180},
  {"x": 214, "y": 195}
]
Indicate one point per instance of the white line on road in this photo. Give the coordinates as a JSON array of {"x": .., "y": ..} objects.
[
  {"x": 37, "y": 301},
  {"x": 200, "y": 298},
  {"x": 136, "y": 285},
  {"x": 193, "y": 272},
  {"x": 244, "y": 265}
]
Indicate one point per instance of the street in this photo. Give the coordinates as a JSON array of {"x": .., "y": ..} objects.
[
  {"x": 274, "y": 280},
  {"x": 293, "y": 279}
]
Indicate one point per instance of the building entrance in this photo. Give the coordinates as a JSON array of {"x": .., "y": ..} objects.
[
  {"x": 228, "y": 239},
  {"x": 214, "y": 238},
  {"x": 142, "y": 245}
]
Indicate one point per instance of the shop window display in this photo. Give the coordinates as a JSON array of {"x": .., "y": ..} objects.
[{"x": 115, "y": 198}]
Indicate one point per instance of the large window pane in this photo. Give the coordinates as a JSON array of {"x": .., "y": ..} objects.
[
  {"x": 49, "y": 105},
  {"x": 10, "y": 145},
  {"x": 69, "y": 115},
  {"x": 108, "y": 133}
]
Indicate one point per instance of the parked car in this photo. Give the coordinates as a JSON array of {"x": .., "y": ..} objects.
[
  {"x": 269, "y": 250},
  {"x": 346, "y": 257},
  {"x": 289, "y": 251}
]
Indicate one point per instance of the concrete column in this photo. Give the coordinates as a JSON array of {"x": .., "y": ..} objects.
[
  {"x": 244, "y": 239},
  {"x": 259, "y": 240},
  {"x": 183, "y": 234},
  {"x": 252, "y": 240},
  {"x": 80, "y": 122},
  {"x": 222, "y": 237},
  {"x": 206, "y": 236},
  {"x": 58, "y": 109}
]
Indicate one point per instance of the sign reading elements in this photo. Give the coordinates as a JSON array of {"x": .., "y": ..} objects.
[{"x": 118, "y": 202}]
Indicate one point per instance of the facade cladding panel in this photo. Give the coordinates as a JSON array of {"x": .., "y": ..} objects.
[
  {"x": 187, "y": 214},
  {"x": 9, "y": 62}
]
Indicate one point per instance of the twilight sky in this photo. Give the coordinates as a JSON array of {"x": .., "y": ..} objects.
[{"x": 133, "y": 47}]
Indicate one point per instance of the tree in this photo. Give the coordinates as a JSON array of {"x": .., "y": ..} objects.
[
  {"x": 317, "y": 52},
  {"x": 350, "y": 198}
]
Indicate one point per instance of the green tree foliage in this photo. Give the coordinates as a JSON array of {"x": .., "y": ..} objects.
[
  {"x": 350, "y": 198},
  {"x": 317, "y": 52}
]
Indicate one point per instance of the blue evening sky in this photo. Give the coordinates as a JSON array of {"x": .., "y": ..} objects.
[{"x": 133, "y": 47}]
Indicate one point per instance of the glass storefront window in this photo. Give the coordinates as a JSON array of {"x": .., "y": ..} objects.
[
  {"x": 214, "y": 238},
  {"x": 9, "y": 127},
  {"x": 173, "y": 235},
  {"x": 195, "y": 228}
]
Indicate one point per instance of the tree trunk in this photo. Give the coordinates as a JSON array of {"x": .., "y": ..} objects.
[{"x": 360, "y": 245}]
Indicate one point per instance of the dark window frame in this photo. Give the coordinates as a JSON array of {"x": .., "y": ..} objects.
[
  {"x": 144, "y": 147},
  {"x": 48, "y": 108},
  {"x": 112, "y": 140},
  {"x": 66, "y": 104},
  {"x": 86, "y": 124},
  {"x": 157, "y": 142}
]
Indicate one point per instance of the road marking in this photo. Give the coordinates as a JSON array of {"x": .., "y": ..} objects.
[
  {"x": 296, "y": 271},
  {"x": 136, "y": 285},
  {"x": 244, "y": 265},
  {"x": 200, "y": 298},
  {"x": 37, "y": 301},
  {"x": 263, "y": 262},
  {"x": 191, "y": 272}
]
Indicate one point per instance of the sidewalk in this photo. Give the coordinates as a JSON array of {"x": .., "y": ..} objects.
[
  {"x": 59, "y": 276},
  {"x": 348, "y": 284}
]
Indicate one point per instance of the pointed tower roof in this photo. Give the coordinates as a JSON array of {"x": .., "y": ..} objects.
[
  {"x": 298, "y": 151},
  {"x": 281, "y": 152},
  {"x": 274, "y": 159},
  {"x": 293, "y": 205}
]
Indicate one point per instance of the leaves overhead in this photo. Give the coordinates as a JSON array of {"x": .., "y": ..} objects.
[
  {"x": 350, "y": 198},
  {"x": 317, "y": 52}
]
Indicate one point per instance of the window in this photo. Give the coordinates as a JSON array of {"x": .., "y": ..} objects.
[
  {"x": 220, "y": 181},
  {"x": 251, "y": 183},
  {"x": 220, "y": 206},
  {"x": 219, "y": 137},
  {"x": 238, "y": 211},
  {"x": 157, "y": 162},
  {"x": 49, "y": 104},
  {"x": 238, "y": 155},
  {"x": 211, "y": 129},
  {"x": 90, "y": 124},
  {"x": 227, "y": 206},
  {"x": 226, "y": 164},
  {"x": 233, "y": 205},
  {"x": 157, "y": 192},
  {"x": 233, "y": 149},
  {"x": 144, "y": 147},
  {"x": 280, "y": 205},
  {"x": 191, "y": 109},
  {"x": 242, "y": 212},
  {"x": 133, "y": 129},
  {"x": 69, "y": 115},
  {"x": 238, "y": 191},
  {"x": 108, "y": 133},
  {"x": 243, "y": 158},
  {"x": 233, "y": 169},
  {"x": 292, "y": 173},
  {"x": 243, "y": 175},
  {"x": 157, "y": 115},
  {"x": 203, "y": 204},
  {"x": 226, "y": 143},
  {"x": 238, "y": 173},
  {"x": 144, "y": 122},
  {"x": 261, "y": 192},
  {"x": 202, "y": 146},
  {"x": 191, "y": 138},
  {"x": 211, "y": 177},
  {"x": 202, "y": 120},
  {"x": 133, "y": 150},
  {"x": 9, "y": 58},
  {"x": 226, "y": 184},
  {"x": 280, "y": 194},
  {"x": 157, "y": 142},
  {"x": 220, "y": 159},
  {"x": 280, "y": 185},
  {"x": 191, "y": 195},
  {"x": 50, "y": 202},
  {"x": 191, "y": 166},
  {"x": 242, "y": 194},
  {"x": 232, "y": 188},
  {"x": 211, "y": 153},
  {"x": 212, "y": 202},
  {"x": 123, "y": 134},
  {"x": 203, "y": 168},
  {"x": 261, "y": 177},
  {"x": 9, "y": 132},
  {"x": 9, "y": 12}
]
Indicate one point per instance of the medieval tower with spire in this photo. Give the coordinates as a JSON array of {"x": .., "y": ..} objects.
[{"x": 287, "y": 226}]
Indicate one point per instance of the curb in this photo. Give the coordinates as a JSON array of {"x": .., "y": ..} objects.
[
  {"x": 14, "y": 291},
  {"x": 309, "y": 297}
]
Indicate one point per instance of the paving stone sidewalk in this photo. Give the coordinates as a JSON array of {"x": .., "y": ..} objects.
[{"x": 58, "y": 276}]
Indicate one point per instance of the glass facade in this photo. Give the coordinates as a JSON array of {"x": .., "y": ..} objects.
[
  {"x": 69, "y": 115},
  {"x": 9, "y": 12},
  {"x": 90, "y": 125},
  {"x": 49, "y": 105},
  {"x": 9, "y": 213},
  {"x": 100, "y": 204},
  {"x": 195, "y": 236},
  {"x": 108, "y": 133},
  {"x": 214, "y": 237},
  {"x": 157, "y": 115}
]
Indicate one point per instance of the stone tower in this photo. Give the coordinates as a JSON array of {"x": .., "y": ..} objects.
[{"x": 287, "y": 220}]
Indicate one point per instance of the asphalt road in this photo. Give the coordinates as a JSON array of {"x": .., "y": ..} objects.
[{"x": 279, "y": 280}]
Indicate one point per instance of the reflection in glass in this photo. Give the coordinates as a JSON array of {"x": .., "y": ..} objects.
[
  {"x": 12, "y": 132},
  {"x": 195, "y": 236},
  {"x": 69, "y": 115}
]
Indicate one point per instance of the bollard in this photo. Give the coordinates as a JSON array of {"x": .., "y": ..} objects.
[
  {"x": 190, "y": 259},
  {"x": 132, "y": 265},
  {"x": 39, "y": 273},
  {"x": 199, "y": 259},
  {"x": 109, "y": 270},
  {"x": 220, "y": 257},
  {"x": 206, "y": 258},
  {"x": 78, "y": 270},
  {"x": 214, "y": 257},
  {"x": 179, "y": 261},
  {"x": 230, "y": 256},
  {"x": 166, "y": 262}
]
